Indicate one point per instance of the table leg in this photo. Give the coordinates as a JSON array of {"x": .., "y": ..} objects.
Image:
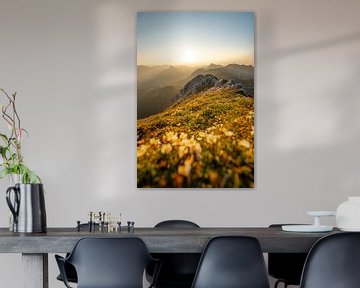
[{"x": 35, "y": 270}]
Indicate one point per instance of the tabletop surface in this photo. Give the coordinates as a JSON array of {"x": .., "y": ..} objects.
[{"x": 158, "y": 240}]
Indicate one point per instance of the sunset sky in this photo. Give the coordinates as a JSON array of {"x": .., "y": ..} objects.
[{"x": 195, "y": 38}]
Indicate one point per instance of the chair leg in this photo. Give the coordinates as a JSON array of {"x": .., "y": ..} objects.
[{"x": 278, "y": 282}]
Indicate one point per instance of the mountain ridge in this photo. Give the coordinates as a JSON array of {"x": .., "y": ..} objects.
[
  {"x": 205, "y": 82},
  {"x": 155, "y": 81}
]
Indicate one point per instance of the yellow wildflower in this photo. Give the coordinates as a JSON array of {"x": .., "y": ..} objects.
[
  {"x": 189, "y": 160},
  {"x": 185, "y": 142},
  {"x": 197, "y": 150},
  {"x": 166, "y": 148},
  {"x": 154, "y": 141},
  {"x": 171, "y": 136},
  {"x": 211, "y": 138},
  {"x": 182, "y": 150},
  {"x": 141, "y": 150},
  {"x": 183, "y": 135},
  {"x": 245, "y": 143},
  {"x": 185, "y": 169}
]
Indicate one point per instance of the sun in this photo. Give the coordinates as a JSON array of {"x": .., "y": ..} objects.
[{"x": 187, "y": 55}]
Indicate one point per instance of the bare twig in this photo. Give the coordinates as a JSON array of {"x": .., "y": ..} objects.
[{"x": 14, "y": 123}]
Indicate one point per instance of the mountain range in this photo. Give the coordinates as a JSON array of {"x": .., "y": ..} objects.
[{"x": 157, "y": 86}]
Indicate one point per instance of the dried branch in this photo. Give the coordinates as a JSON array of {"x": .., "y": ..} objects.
[{"x": 12, "y": 159}]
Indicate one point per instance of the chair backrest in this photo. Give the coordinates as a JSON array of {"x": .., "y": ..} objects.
[
  {"x": 333, "y": 262},
  {"x": 110, "y": 262},
  {"x": 178, "y": 269},
  {"x": 232, "y": 262},
  {"x": 176, "y": 224},
  {"x": 286, "y": 267}
]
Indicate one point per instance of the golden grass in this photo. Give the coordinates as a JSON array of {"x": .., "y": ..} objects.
[{"x": 205, "y": 141}]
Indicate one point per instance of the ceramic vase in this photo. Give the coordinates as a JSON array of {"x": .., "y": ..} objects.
[{"x": 348, "y": 214}]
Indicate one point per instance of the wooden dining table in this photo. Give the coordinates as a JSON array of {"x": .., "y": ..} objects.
[{"x": 35, "y": 247}]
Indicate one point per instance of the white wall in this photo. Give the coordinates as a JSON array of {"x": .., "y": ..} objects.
[{"x": 73, "y": 66}]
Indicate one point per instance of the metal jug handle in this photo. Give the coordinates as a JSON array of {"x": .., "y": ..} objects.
[{"x": 13, "y": 208}]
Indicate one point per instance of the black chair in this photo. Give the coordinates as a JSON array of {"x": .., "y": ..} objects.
[
  {"x": 178, "y": 269},
  {"x": 232, "y": 262},
  {"x": 69, "y": 269},
  {"x": 108, "y": 263},
  {"x": 333, "y": 262},
  {"x": 286, "y": 267}
]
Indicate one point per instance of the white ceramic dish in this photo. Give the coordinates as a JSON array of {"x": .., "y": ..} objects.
[
  {"x": 306, "y": 228},
  {"x": 350, "y": 229},
  {"x": 321, "y": 213}
]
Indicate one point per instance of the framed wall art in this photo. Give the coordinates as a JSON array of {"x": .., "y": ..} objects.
[{"x": 195, "y": 100}]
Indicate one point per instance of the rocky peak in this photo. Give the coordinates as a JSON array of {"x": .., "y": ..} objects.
[
  {"x": 224, "y": 83},
  {"x": 205, "y": 82},
  {"x": 198, "y": 83}
]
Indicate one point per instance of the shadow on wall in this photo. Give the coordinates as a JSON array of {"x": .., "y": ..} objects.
[
  {"x": 112, "y": 101},
  {"x": 307, "y": 115},
  {"x": 347, "y": 39}
]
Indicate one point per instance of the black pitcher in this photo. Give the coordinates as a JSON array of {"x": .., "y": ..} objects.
[{"x": 28, "y": 208}]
